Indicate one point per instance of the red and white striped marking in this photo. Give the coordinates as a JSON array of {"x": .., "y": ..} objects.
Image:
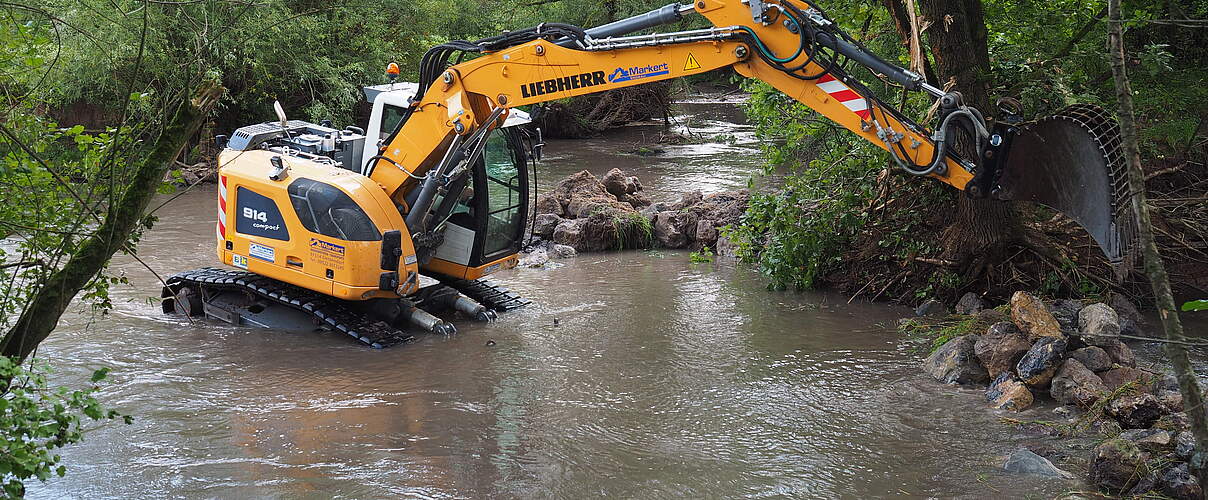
[
  {"x": 844, "y": 94},
  {"x": 222, "y": 193}
]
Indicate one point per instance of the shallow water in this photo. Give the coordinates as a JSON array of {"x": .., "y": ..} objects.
[{"x": 634, "y": 374}]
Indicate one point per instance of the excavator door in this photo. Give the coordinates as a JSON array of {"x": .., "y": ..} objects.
[{"x": 483, "y": 232}]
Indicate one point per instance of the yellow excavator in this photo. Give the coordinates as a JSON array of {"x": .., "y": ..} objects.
[{"x": 373, "y": 231}]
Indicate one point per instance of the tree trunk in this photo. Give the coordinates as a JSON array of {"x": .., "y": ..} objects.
[
  {"x": 42, "y": 313},
  {"x": 1155, "y": 269},
  {"x": 981, "y": 229}
]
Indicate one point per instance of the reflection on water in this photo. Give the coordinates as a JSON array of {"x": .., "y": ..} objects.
[{"x": 634, "y": 374}]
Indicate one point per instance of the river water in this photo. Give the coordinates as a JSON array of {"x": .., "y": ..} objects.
[{"x": 633, "y": 374}]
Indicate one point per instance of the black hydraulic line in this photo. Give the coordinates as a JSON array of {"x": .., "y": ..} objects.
[{"x": 871, "y": 61}]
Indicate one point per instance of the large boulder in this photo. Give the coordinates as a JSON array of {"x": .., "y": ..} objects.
[
  {"x": 970, "y": 303},
  {"x": 1007, "y": 393},
  {"x": 548, "y": 204},
  {"x": 1093, "y": 358},
  {"x": 1066, "y": 313},
  {"x": 669, "y": 229},
  {"x": 931, "y": 307},
  {"x": 1000, "y": 348},
  {"x": 1178, "y": 483},
  {"x": 580, "y": 185},
  {"x": 1024, "y": 461},
  {"x": 1137, "y": 411},
  {"x": 1114, "y": 465},
  {"x": 1131, "y": 320},
  {"x": 1118, "y": 377},
  {"x": 582, "y": 207},
  {"x": 706, "y": 233},
  {"x": 1031, "y": 316},
  {"x": 1098, "y": 325},
  {"x": 956, "y": 363},
  {"x": 619, "y": 184},
  {"x": 1037, "y": 366},
  {"x": 1151, "y": 440},
  {"x": 1120, "y": 353},
  {"x": 1075, "y": 384},
  {"x": 723, "y": 208},
  {"x": 569, "y": 233},
  {"x": 544, "y": 225}
]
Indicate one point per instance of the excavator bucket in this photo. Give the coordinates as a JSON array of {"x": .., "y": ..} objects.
[{"x": 1073, "y": 162}]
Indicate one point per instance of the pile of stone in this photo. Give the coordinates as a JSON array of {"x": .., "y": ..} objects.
[
  {"x": 1074, "y": 354},
  {"x": 591, "y": 214}
]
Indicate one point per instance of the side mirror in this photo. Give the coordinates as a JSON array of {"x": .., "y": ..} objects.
[
  {"x": 221, "y": 141},
  {"x": 392, "y": 249}
]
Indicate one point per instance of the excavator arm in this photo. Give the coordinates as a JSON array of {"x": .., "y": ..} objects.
[{"x": 790, "y": 45}]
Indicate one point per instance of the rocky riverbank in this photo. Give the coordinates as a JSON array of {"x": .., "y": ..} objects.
[
  {"x": 1072, "y": 353},
  {"x": 591, "y": 214}
]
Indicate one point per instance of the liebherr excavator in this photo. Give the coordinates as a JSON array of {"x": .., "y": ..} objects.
[{"x": 370, "y": 231}]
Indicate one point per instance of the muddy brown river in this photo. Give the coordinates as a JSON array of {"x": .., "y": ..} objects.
[{"x": 633, "y": 374}]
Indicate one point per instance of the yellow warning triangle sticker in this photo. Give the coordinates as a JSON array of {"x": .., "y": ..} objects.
[{"x": 691, "y": 63}]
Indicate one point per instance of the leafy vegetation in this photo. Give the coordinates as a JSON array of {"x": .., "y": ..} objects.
[{"x": 37, "y": 419}]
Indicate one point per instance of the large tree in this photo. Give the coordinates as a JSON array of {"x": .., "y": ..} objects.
[{"x": 956, "y": 31}]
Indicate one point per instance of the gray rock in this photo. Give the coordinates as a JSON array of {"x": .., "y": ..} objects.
[
  {"x": 1000, "y": 348},
  {"x": 1184, "y": 445},
  {"x": 1153, "y": 440},
  {"x": 1173, "y": 422},
  {"x": 1023, "y": 461},
  {"x": 562, "y": 251},
  {"x": 956, "y": 363},
  {"x": 1137, "y": 411},
  {"x": 1037, "y": 366},
  {"x": 1172, "y": 401},
  {"x": 1114, "y": 465},
  {"x": 548, "y": 204},
  {"x": 706, "y": 234},
  {"x": 569, "y": 233},
  {"x": 1075, "y": 384},
  {"x": 931, "y": 307},
  {"x": 1125, "y": 309},
  {"x": 545, "y": 224},
  {"x": 970, "y": 303},
  {"x": 1178, "y": 483},
  {"x": 1098, "y": 325},
  {"x": 537, "y": 258},
  {"x": 1066, "y": 313},
  {"x": 1120, "y": 353},
  {"x": 1007, "y": 393},
  {"x": 1093, "y": 358},
  {"x": 668, "y": 229},
  {"x": 1167, "y": 382}
]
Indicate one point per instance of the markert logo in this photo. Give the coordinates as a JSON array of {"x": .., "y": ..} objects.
[{"x": 562, "y": 84}]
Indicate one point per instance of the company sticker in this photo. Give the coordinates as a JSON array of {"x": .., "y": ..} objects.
[
  {"x": 239, "y": 261},
  {"x": 262, "y": 252},
  {"x": 327, "y": 254}
]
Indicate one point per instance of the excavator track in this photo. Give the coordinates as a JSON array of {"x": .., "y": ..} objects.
[
  {"x": 488, "y": 293},
  {"x": 328, "y": 311}
]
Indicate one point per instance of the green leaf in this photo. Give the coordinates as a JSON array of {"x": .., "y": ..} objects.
[
  {"x": 1196, "y": 305},
  {"x": 100, "y": 374}
]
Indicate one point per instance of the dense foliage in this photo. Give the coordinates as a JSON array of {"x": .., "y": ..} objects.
[{"x": 832, "y": 225}]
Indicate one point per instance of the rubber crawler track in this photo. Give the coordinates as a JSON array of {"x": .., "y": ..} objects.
[{"x": 327, "y": 310}]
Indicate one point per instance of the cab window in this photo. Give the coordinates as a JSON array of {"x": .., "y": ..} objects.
[{"x": 324, "y": 209}]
